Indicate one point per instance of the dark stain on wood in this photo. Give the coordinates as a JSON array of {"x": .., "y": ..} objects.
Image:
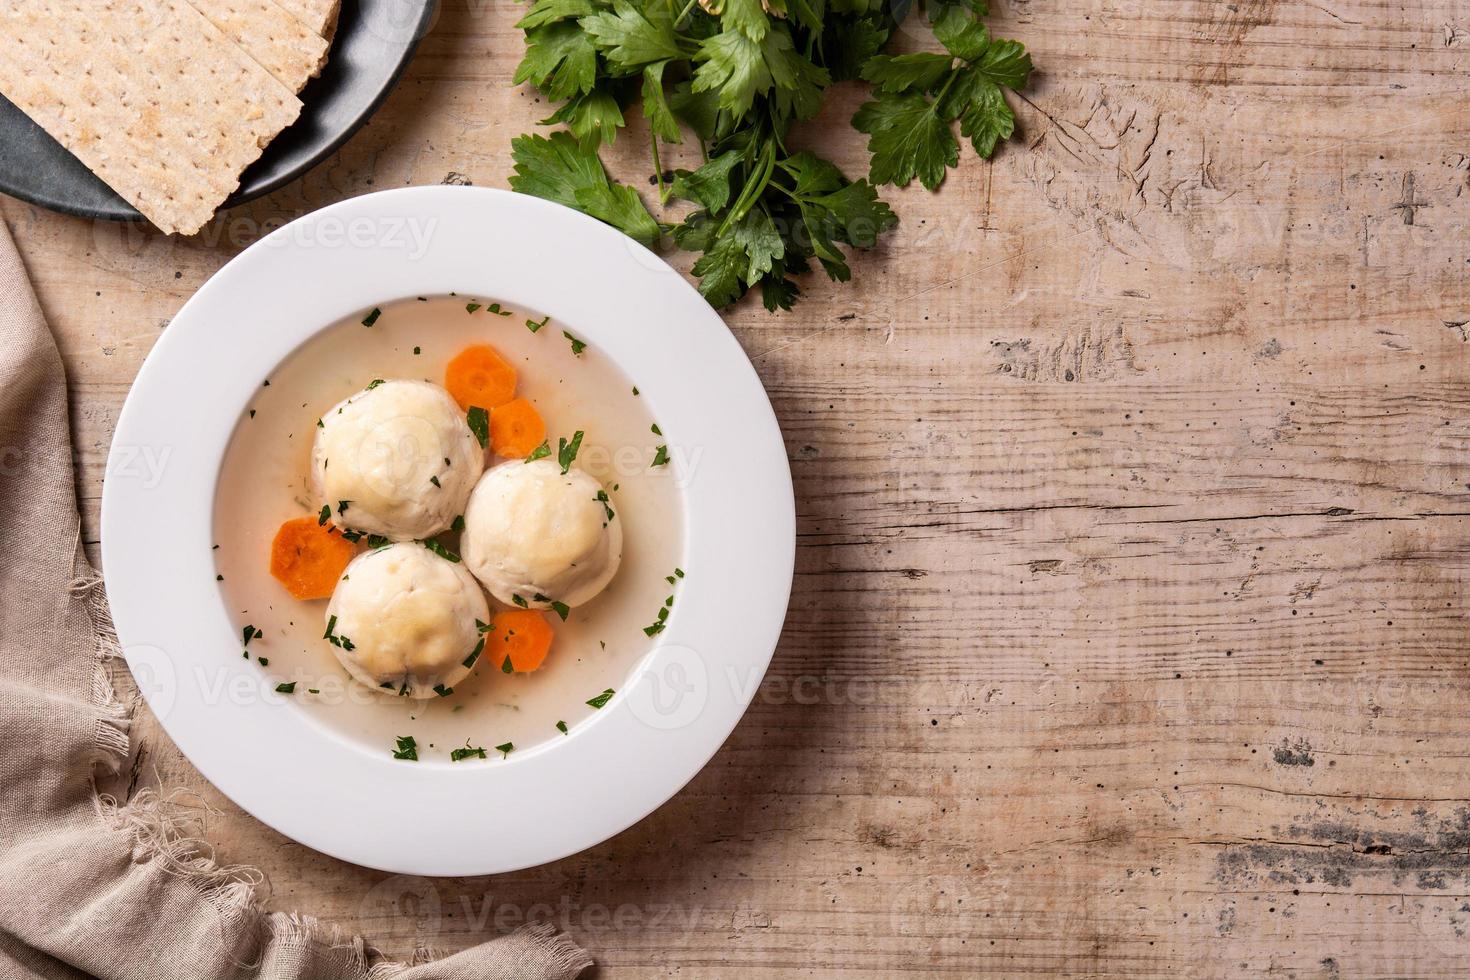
[
  {"x": 1335, "y": 853},
  {"x": 1296, "y": 752}
]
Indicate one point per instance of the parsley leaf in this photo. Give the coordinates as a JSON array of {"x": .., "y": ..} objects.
[
  {"x": 560, "y": 59},
  {"x": 920, "y": 96},
  {"x": 468, "y": 752},
  {"x": 593, "y": 117},
  {"x": 631, "y": 39},
  {"x": 566, "y": 452},
  {"x": 407, "y": 748},
  {"x": 479, "y": 422},
  {"x": 440, "y": 550},
  {"x": 909, "y": 140},
  {"x": 560, "y": 170},
  {"x": 550, "y": 11}
]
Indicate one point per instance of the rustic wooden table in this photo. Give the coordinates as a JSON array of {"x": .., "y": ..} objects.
[{"x": 1133, "y": 475}]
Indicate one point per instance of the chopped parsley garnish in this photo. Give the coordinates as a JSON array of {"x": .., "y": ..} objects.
[
  {"x": 471, "y": 307},
  {"x": 655, "y": 429},
  {"x": 566, "y": 452},
  {"x": 353, "y": 536},
  {"x": 370, "y": 319},
  {"x": 534, "y": 325},
  {"x": 387, "y": 684},
  {"x": 252, "y": 413},
  {"x": 561, "y": 726},
  {"x": 560, "y": 608},
  {"x": 418, "y": 350},
  {"x": 373, "y": 384},
  {"x": 506, "y": 749},
  {"x": 320, "y": 424},
  {"x": 660, "y": 456},
  {"x": 407, "y": 748},
  {"x": 495, "y": 308},
  {"x": 457, "y": 524},
  {"x": 264, "y": 661},
  {"x": 468, "y": 752},
  {"x": 377, "y": 541},
  {"x": 661, "y": 620},
  {"x": 475, "y": 653},
  {"x": 479, "y": 423},
  {"x": 601, "y": 699},
  {"x": 507, "y": 667},
  {"x": 287, "y": 688},
  {"x": 482, "y": 627},
  {"x": 520, "y": 600},
  {"x": 540, "y": 452},
  {"x": 443, "y": 691},
  {"x": 342, "y": 507},
  {"x": 440, "y": 550},
  {"x": 404, "y": 690},
  {"x": 325, "y": 515},
  {"x": 313, "y": 690},
  {"x": 251, "y": 633},
  {"x": 602, "y": 499},
  {"x": 435, "y": 480},
  {"x": 635, "y": 391},
  {"x": 334, "y": 638},
  {"x": 578, "y": 346}
]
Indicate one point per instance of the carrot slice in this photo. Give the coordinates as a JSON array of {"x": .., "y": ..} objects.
[
  {"x": 478, "y": 375},
  {"x": 521, "y": 635},
  {"x": 308, "y": 558},
  {"x": 516, "y": 429}
]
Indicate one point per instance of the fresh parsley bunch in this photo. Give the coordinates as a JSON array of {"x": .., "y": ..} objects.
[{"x": 738, "y": 74}]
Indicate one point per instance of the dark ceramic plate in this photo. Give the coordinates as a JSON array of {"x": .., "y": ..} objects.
[{"x": 375, "y": 39}]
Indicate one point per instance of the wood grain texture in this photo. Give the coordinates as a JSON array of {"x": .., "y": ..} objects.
[{"x": 1129, "y": 629}]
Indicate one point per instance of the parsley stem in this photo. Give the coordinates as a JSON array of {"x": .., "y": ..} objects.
[
  {"x": 658, "y": 169},
  {"x": 754, "y": 187},
  {"x": 939, "y": 97},
  {"x": 684, "y": 13}
]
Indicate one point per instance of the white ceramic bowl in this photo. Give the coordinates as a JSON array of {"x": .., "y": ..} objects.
[{"x": 432, "y": 818}]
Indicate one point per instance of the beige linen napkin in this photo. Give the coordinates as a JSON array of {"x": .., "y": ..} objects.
[{"x": 90, "y": 887}]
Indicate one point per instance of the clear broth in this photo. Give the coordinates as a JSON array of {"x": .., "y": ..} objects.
[{"x": 265, "y": 481}]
